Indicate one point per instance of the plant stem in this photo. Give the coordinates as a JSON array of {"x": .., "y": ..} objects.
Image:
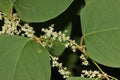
[
  {"x": 103, "y": 71},
  {"x": 85, "y": 53},
  {"x": 112, "y": 77},
  {"x": 11, "y": 11},
  {"x": 98, "y": 67},
  {"x": 81, "y": 40}
]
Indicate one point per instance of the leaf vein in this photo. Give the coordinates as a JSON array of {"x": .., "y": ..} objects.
[
  {"x": 95, "y": 32},
  {"x": 18, "y": 59}
]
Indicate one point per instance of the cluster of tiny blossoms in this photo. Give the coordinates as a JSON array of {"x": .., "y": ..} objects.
[
  {"x": 93, "y": 74},
  {"x": 62, "y": 70},
  {"x": 52, "y": 37},
  {"x": 12, "y": 26},
  {"x": 28, "y": 31},
  {"x": 84, "y": 60}
]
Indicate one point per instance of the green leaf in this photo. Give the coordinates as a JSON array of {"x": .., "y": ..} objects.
[
  {"x": 81, "y": 78},
  {"x": 58, "y": 49},
  {"x": 86, "y": 1},
  {"x": 40, "y": 10},
  {"x": 23, "y": 59},
  {"x": 101, "y": 30},
  {"x": 5, "y": 7},
  {"x": 12, "y": 1}
]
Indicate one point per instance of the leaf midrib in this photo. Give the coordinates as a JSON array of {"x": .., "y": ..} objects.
[
  {"x": 106, "y": 30},
  {"x": 18, "y": 57},
  {"x": 11, "y": 2}
]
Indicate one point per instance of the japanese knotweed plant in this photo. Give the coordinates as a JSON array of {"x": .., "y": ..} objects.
[{"x": 27, "y": 56}]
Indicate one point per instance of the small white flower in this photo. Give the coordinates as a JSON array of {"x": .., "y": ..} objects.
[
  {"x": 55, "y": 35},
  {"x": 65, "y": 31},
  {"x": 66, "y": 45},
  {"x": 59, "y": 33},
  {"x": 86, "y": 63},
  {"x": 52, "y": 37},
  {"x": 105, "y": 75},
  {"x": 82, "y": 75},
  {"x": 43, "y": 29},
  {"x": 73, "y": 48},
  {"x": 92, "y": 74},
  {"x": 10, "y": 26},
  {"x": 84, "y": 60},
  {"x": 62, "y": 70},
  {"x": 29, "y": 32},
  {"x": 82, "y": 57}
]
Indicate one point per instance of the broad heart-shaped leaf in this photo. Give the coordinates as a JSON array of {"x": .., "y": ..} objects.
[
  {"x": 101, "y": 30},
  {"x": 59, "y": 48},
  {"x": 23, "y": 59},
  {"x": 40, "y": 10},
  {"x": 81, "y": 78}
]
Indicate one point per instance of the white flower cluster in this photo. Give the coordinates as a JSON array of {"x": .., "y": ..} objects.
[
  {"x": 28, "y": 31},
  {"x": 93, "y": 74},
  {"x": 12, "y": 26},
  {"x": 62, "y": 70},
  {"x": 52, "y": 37},
  {"x": 84, "y": 60}
]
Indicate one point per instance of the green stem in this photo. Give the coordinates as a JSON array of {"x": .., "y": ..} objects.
[
  {"x": 112, "y": 77},
  {"x": 98, "y": 67},
  {"x": 11, "y": 11},
  {"x": 81, "y": 44},
  {"x": 55, "y": 42},
  {"x": 81, "y": 40},
  {"x": 103, "y": 71}
]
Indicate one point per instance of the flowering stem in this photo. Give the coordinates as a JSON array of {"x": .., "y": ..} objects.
[
  {"x": 103, "y": 71},
  {"x": 56, "y": 42},
  {"x": 112, "y": 77},
  {"x": 98, "y": 67},
  {"x": 79, "y": 47}
]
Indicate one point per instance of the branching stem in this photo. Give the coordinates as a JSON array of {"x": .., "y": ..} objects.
[{"x": 99, "y": 68}]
